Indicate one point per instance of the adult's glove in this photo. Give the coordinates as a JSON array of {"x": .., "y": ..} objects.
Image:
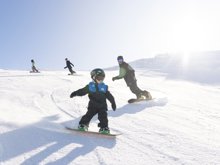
[
  {"x": 114, "y": 106},
  {"x": 114, "y": 78},
  {"x": 73, "y": 94}
]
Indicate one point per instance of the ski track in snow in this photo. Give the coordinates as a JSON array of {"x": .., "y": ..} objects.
[{"x": 180, "y": 126}]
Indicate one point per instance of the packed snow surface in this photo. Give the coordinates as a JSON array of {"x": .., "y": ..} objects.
[{"x": 180, "y": 126}]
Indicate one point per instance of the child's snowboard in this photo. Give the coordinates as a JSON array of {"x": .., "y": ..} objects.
[{"x": 91, "y": 132}]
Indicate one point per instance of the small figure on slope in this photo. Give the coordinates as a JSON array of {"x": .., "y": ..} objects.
[
  {"x": 34, "y": 69},
  {"x": 69, "y": 66},
  {"x": 98, "y": 93},
  {"x": 128, "y": 73}
]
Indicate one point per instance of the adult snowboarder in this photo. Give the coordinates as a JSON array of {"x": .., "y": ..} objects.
[
  {"x": 69, "y": 66},
  {"x": 34, "y": 69},
  {"x": 98, "y": 93},
  {"x": 128, "y": 73}
]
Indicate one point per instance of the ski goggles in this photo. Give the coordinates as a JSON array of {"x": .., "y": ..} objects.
[{"x": 100, "y": 78}]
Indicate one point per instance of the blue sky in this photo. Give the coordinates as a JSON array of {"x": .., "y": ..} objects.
[{"x": 92, "y": 33}]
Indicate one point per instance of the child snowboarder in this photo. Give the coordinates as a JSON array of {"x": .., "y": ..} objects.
[
  {"x": 69, "y": 66},
  {"x": 34, "y": 69},
  {"x": 128, "y": 73},
  {"x": 98, "y": 93}
]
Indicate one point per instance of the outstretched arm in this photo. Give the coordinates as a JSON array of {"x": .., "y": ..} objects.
[
  {"x": 80, "y": 92},
  {"x": 122, "y": 73}
]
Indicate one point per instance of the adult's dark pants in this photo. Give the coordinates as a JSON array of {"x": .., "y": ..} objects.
[
  {"x": 71, "y": 70},
  {"x": 135, "y": 89}
]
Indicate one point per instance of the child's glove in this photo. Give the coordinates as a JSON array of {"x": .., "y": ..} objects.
[
  {"x": 72, "y": 94},
  {"x": 114, "y": 106}
]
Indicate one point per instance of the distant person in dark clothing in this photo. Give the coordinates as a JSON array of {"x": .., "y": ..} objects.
[
  {"x": 34, "y": 69},
  {"x": 69, "y": 66},
  {"x": 128, "y": 73}
]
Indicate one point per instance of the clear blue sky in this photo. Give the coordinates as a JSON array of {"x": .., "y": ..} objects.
[{"x": 92, "y": 33}]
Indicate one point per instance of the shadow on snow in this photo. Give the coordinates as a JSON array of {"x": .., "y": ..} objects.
[
  {"x": 137, "y": 107},
  {"x": 52, "y": 139}
]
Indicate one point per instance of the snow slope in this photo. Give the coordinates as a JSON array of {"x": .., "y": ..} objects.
[
  {"x": 202, "y": 67},
  {"x": 181, "y": 126}
]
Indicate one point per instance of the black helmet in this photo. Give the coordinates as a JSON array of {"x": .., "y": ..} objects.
[{"x": 97, "y": 74}]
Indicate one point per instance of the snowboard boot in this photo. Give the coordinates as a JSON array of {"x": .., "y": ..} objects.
[
  {"x": 83, "y": 127},
  {"x": 147, "y": 95},
  {"x": 141, "y": 97},
  {"x": 104, "y": 130}
]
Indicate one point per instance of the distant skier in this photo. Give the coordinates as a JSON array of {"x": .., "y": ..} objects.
[
  {"x": 34, "y": 69},
  {"x": 128, "y": 73},
  {"x": 69, "y": 66},
  {"x": 98, "y": 93}
]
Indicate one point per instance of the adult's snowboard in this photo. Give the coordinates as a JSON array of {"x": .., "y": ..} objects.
[
  {"x": 34, "y": 72},
  {"x": 72, "y": 73},
  {"x": 91, "y": 132},
  {"x": 137, "y": 100}
]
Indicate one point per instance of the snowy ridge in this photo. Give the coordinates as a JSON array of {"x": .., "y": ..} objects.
[
  {"x": 202, "y": 67},
  {"x": 181, "y": 126}
]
